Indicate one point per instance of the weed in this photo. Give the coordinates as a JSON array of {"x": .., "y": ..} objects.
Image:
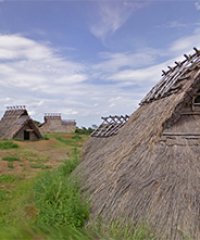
[
  {"x": 11, "y": 158},
  {"x": 73, "y": 141},
  {"x": 8, "y": 145},
  {"x": 45, "y": 137},
  {"x": 69, "y": 165},
  {"x": 10, "y": 165},
  {"x": 7, "y": 178},
  {"x": 39, "y": 165},
  {"x": 3, "y": 194},
  {"x": 58, "y": 198}
]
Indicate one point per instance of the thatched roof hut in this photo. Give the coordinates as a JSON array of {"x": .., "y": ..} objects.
[
  {"x": 17, "y": 124},
  {"x": 54, "y": 123},
  {"x": 150, "y": 171}
]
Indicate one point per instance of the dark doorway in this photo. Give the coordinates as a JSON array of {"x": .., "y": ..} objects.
[
  {"x": 197, "y": 100},
  {"x": 26, "y": 135}
]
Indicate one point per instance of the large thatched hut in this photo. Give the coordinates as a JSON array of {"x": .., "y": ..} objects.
[
  {"x": 150, "y": 171},
  {"x": 17, "y": 124},
  {"x": 54, "y": 123}
]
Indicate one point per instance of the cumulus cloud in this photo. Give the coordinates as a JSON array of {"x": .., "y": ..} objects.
[{"x": 32, "y": 73}]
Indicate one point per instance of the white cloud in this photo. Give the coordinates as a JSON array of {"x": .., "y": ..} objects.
[
  {"x": 186, "y": 43},
  {"x": 197, "y": 5},
  {"x": 112, "y": 15},
  {"x": 115, "y": 61},
  {"x": 33, "y": 74},
  {"x": 47, "y": 82}
]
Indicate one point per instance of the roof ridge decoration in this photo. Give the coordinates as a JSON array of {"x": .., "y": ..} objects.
[
  {"x": 110, "y": 126},
  {"x": 171, "y": 81},
  {"x": 17, "y": 107},
  {"x": 52, "y": 114}
]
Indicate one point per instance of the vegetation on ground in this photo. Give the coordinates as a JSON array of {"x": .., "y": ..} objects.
[
  {"x": 8, "y": 145},
  {"x": 11, "y": 158},
  {"x": 45, "y": 203}
]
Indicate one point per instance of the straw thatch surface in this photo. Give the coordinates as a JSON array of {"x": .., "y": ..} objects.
[
  {"x": 150, "y": 170},
  {"x": 14, "y": 121}
]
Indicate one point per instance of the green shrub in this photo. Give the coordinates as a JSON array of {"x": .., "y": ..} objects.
[{"x": 8, "y": 145}]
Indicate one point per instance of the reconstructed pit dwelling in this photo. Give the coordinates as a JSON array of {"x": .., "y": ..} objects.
[
  {"x": 54, "y": 123},
  {"x": 17, "y": 124},
  {"x": 150, "y": 170}
]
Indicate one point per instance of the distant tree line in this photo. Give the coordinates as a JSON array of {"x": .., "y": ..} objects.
[{"x": 85, "y": 130}]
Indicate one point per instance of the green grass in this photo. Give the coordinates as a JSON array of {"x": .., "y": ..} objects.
[
  {"x": 3, "y": 194},
  {"x": 33, "y": 156},
  {"x": 70, "y": 142},
  {"x": 58, "y": 198},
  {"x": 39, "y": 165},
  {"x": 118, "y": 231},
  {"x": 11, "y": 158},
  {"x": 7, "y": 178},
  {"x": 8, "y": 145}
]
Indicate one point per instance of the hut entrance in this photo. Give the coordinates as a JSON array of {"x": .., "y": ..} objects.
[
  {"x": 197, "y": 100},
  {"x": 26, "y": 135}
]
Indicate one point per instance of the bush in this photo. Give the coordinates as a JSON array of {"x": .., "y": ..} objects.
[{"x": 8, "y": 145}]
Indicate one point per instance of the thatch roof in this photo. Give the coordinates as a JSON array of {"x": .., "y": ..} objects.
[
  {"x": 150, "y": 171},
  {"x": 13, "y": 120}
]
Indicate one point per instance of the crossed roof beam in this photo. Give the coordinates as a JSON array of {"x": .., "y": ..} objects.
[{"x": 110, "y": 126}]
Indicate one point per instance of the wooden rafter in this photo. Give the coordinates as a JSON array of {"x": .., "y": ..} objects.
[
  {"x": 173, "y": 77},
  {"x": 110, "y": 126}
]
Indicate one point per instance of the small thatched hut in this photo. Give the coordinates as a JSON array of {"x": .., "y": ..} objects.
[
  {"x": 150, "y": 171},
  {"x": 17, "y": 124},
  {"x": 54, "y": 123}
]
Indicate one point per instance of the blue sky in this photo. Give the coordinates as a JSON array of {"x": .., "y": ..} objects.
[{"x": 87, "y": 59}]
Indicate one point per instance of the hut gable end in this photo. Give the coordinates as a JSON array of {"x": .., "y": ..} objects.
[{"x": 15, "y": 123}]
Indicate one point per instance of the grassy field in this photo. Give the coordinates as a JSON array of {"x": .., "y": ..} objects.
[{"x": 38, "y": 199}]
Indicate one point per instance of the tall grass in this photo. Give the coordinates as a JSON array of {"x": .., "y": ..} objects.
[{"x": 58, "y": 198}]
